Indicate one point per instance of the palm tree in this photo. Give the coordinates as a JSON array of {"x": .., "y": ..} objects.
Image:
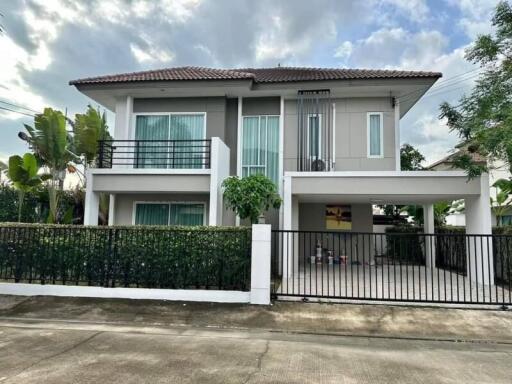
[{"x": 49, "y": 141}]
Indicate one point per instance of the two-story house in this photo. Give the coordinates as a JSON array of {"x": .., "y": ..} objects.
[{"x": 328, "y": 138}]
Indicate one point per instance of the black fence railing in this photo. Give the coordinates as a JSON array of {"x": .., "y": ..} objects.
[
  {"x": 148, "y": 257},
  {"x": 185, "y": 154},
  {"x": 407, "y": 267}
]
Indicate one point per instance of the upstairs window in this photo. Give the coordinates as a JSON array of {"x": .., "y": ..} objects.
[
  {"x": 375, "y": 135},
  {"x": 314, "y": 136},
  {"x": 260, "y": 146}
]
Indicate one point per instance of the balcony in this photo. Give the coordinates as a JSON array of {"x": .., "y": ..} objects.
[{"x": 155, "y": 154}]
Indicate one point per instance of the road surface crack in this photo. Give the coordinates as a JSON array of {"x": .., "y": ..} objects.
[
  {"x": 69, "y": 349},
  {"x": 258, "y": 366}
]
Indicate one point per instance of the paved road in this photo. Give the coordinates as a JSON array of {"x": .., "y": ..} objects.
[{"x": 71, "y": 351}]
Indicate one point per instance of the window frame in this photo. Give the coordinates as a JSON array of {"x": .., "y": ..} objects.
[
  {"x": 169, "y": 203},
  {"x": 169, "y": 114},
  {"x": 368, "y": 135},
  {"x": 320, "y": 155},
  {"x": 242, "y": 165}
]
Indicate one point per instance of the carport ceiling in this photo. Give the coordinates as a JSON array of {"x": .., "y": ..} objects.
[{"x": 377, "y": 199}]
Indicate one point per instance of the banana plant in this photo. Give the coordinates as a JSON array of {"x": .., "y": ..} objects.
[
  {"x": 501, "y": 204},
  {"x": 49, "y": 141},
  {"x": 24, "y": 174},
  {"x": 88, "y": 128}
]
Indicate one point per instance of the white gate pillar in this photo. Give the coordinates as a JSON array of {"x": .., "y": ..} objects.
[
  {"x": 480, "y": 263},
  {"x": 430, "y": 241},
  {"x": 260, "y": 264}
]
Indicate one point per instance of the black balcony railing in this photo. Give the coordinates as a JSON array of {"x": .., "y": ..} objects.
[{"x": 185, "y": 154}]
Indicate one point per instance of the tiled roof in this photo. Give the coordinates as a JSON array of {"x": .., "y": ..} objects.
[
  {"x": 258, "y": 75},
  {"x": 450, "y": 159}
]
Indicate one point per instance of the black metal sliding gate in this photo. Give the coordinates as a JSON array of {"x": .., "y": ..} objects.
[{"x": 399, "y": 267}]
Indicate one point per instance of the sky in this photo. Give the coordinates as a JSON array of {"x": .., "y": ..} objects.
[{"x": 46, "y": 43}]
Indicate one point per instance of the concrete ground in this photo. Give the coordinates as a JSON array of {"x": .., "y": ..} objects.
[
  {"x": 396, "y": 282},
  {"x": 70, "y": 340}
]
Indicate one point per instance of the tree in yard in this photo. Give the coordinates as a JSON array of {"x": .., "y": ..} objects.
[
  {"x": 501, "y": 204},
  {"x": 250, "y": 196},
  {"x": 49, "y": 141},
  {"x": 483, "y": 119},
  {"x": 88, "y": 128},
  {"x": 24, "y": 174},
  {"x": 3, "y": 169},
  {"x": 410, "y": 158}
]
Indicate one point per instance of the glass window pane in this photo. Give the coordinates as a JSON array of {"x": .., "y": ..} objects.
[
  {"x": 250, "y": 141},
  {"x": 375, "y": 139},
  {"x": 273, "y": 148},
  {"x": 187, "y": 153},
  {"x": 260, "y": 146},
  {"x": 314, "y": 135},
  {"x": 152, "y": 214},
  {"x": 151, "y": 149},
  {"x": 187, "y": 214}
]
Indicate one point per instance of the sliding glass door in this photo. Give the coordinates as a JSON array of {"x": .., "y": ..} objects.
[
  {"x": 169, "y": 140},
  {"x": 172, "y": 213}
]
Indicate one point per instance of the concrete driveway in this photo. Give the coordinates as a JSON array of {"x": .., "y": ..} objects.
[{"x": 59, "y": 340}]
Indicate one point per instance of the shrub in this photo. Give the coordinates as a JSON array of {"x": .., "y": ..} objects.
[
  {"x": 403, "y": 244},
  {"x": 137, "y": 256}
]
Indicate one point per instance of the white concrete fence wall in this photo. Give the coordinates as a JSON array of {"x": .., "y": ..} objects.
[{"x": 259, "y": 293}]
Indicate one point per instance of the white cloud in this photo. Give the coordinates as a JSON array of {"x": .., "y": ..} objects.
[
  {"x": 416, "y": 10},
  {"x": 344, "y": 51},
  {"x": 398, "y": 48},
  {"x": 476, "y": 16}
]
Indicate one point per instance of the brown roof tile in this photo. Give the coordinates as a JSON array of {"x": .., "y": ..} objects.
[{"x": 258, "y": 75}]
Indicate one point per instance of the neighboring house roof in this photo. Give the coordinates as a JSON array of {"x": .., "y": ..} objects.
[
  {"x": 450, "y": 159},
  {"x": 258, "y": 75}
]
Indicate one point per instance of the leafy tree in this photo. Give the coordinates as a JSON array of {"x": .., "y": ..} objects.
[
  {"x": 49, "y": 141},
  {"x": 23, "y": 172},
  {"x": 410, "y": 158},
  {"x": 441, "y": 210},
  {"x": 483, "y": 119},
  {"x": 3, "y": 169},
  {"x": 88, "y": 128},
  {"x": 9, "y": 208},
  {"x": 250, "y": 196},
  {"x": 500, "y": 205}
]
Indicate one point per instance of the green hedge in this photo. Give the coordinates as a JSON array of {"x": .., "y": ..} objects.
[
  {"x": 135, "y": 256},
  {"x": 403, "y": 245}
]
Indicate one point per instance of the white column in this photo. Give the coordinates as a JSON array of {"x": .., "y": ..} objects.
[
  {"x": 429, "y": 228},
  {"x": 239, "y": 146},
  {"x": 219, "y": 171},
  {"x": 397, "y": 134},
  {"x": 92, "y": 202},
  {"x": 478, "y": 222},
  {"x": 111, "y": 209},
  {"x": 287, "y": 225},
  {"x": 281, "y": 157},
  {"x": 260, "y": 264}
]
